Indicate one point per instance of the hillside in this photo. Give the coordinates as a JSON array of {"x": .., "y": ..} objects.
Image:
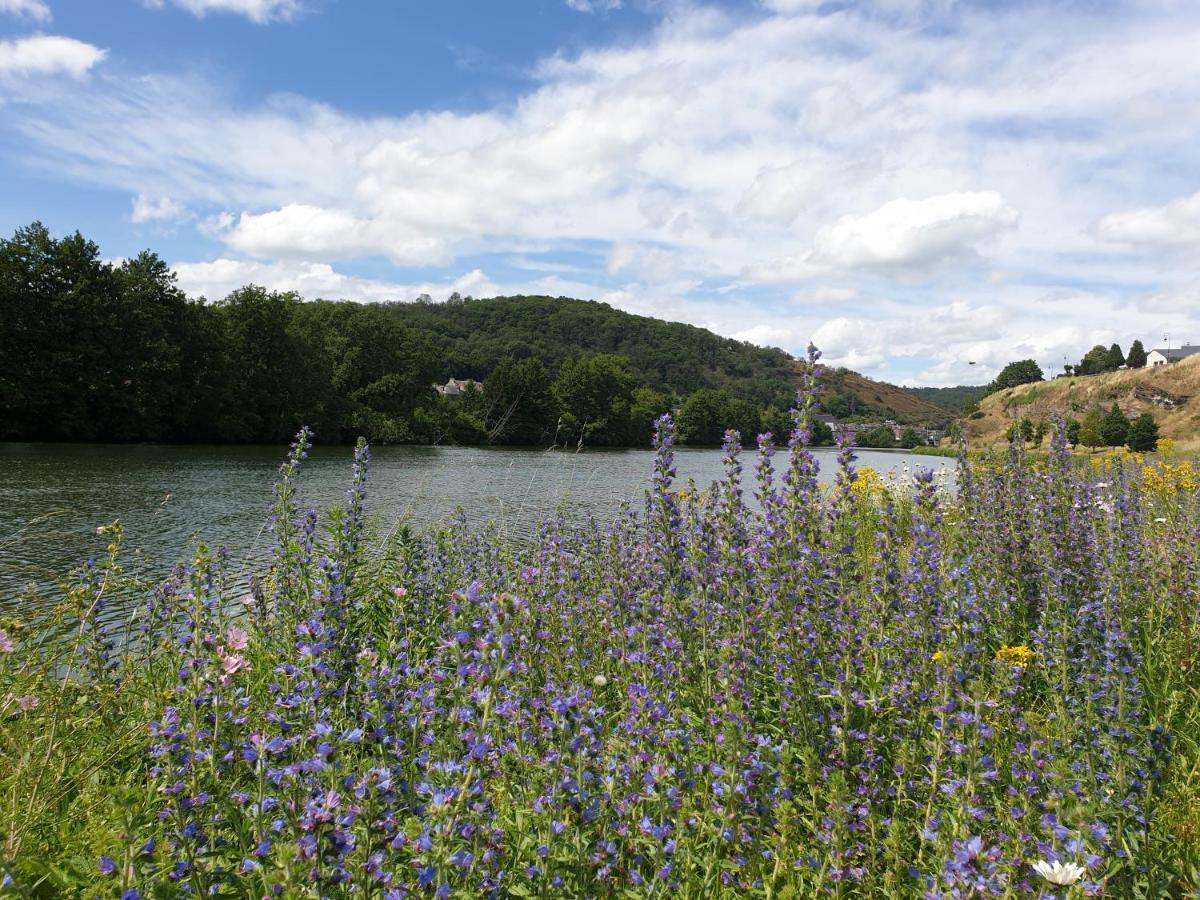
[
  {"x": 1170, "y": 393},
  {"x": 956, "y": 399},
  {"x": 851, "y": 396},
  {"x": 474, "y": 335}
]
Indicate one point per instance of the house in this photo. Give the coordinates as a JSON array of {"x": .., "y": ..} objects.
[
  {"x": 455, "y": 386},
  {"x": 1160, "y": 357}
]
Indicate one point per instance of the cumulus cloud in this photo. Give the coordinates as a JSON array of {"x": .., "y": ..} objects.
[
  {"x": 48, "y": 55},
  {"x": 916, "y": 234},
  {"x": 1176, "y": 224},
  {"x": 152, "y": 209},
  {"x": 37, "y": 10},
  {"x": 300, "y": 231},
  {"x": 260, "y": 11}
]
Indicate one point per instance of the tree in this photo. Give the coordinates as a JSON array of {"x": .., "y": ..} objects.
[
  {"x": 1023, "y": 371},
  {"x": 595, "y": 392},
  {"x": 1027, "y": 430},
  {"x": 645, "y": 407},
  {"x": 1115, "y": 358},
  {"x": 1136, "y": 358},
  {"x": 1114, "y": 429},
  {"x": 522, "y": 408},
  {"x": 1089, "y": 429},
  {"x": 910, "y": 439},
  {"x": 1073, "y": 432},
  {"x": 880, "y": 436},
  {"x": 1143, "y": 433},
  {"x": 1094, "y": 361}
]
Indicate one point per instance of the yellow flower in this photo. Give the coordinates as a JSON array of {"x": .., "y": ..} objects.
[
  {"x": 939, "y": 657},
  {"x": 1020, "y": 655},
  {"x": 868, "y": 483}
]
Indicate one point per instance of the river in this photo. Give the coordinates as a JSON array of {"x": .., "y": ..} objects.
[{"x": 53, "y": 496}]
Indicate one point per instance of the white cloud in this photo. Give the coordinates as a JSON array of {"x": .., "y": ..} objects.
[
  {"x": 593, "y": 6},
  {"x": 916, "y": 234},
  {"x": 220, "y": 277},
  {"x": 299, "y": 231},
  {"x": 1177, "y": 224},
  {"x": 37, "y": 10},
  {"x": 260, "y": 11},
  {"x": 48, "y": 55},
  {"x": 151, "y": 209},
  {"x": 768, "y": 335}
]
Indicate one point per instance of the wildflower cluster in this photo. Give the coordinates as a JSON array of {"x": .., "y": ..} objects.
[{"x": 871, "y": 691}]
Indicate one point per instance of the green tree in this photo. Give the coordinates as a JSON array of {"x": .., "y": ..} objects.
[
  {"x": 1090, "y": 434},
  {"x": 522, "y": 408},
  {"x": 275, "y": 378},
  {"x": 1136, "y": 358},
  {"x": 1094, "y": 361},
  {"x": 595, "y": 393},
  {"x": 1114, "y": 358},
  {"x": 646, "y": 406},
  {"x": 910, "y": 439},
  {"x": 1073, "y": 432},
  {"x": 1114, "y": 429},
  {"x": 880, "y": 436},
  {"x": 707, "y": 414},
  {"x": 1143, "y": 434},
  {"x": 1023, "y": 371},
  {"x": 1039, "y": 433}
]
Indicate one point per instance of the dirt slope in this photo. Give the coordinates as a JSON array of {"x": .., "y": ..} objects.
[
  {"x": 1170, "y": 393},
  {"x": 882, "y": 400}
]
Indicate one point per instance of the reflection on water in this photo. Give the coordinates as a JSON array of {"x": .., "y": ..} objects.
[{"x": 52, "y": 496}]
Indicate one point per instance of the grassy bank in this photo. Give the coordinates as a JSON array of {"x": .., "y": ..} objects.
[{"x": 863, "y": 692}]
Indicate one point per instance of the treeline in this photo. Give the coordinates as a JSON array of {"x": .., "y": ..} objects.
[
  {"x": 94, "y": 351},
  {"x": 1108, "y": 359},
  {"x": 1096, "y": 429}
]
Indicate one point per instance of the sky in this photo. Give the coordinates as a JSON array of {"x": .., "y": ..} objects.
[{"x": 926, "y": 189}]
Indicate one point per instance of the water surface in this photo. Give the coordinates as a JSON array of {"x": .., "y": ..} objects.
[{"x": 169, "y": 497}]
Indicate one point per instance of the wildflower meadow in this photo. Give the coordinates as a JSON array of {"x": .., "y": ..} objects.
[{"x": 767, "y": 688}]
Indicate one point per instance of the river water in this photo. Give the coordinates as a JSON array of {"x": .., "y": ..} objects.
[{"x": 169, "y": 497}]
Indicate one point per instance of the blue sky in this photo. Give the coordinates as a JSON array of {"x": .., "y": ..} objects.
[{"x": 916, "y": 185}]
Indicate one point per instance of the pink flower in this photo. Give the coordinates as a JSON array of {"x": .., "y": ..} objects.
[
  {"x": 236, "y": 638},
  {"x": 6, "y": 644},
  {"x": 248, "y": 600},
  {"x": 28, "y": 702},
  {"x": 232, "y": 663}
]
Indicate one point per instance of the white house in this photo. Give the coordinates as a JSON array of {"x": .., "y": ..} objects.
[
  {"x": 1160, "y": 357},
  {"x": 455, "y": 386}
]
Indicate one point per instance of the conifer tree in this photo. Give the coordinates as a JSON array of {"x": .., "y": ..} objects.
[
  {"x": 1136, "y": 358},
  {"x": 1114, "y": 429},
  {"x": 1143, "y": 434}
]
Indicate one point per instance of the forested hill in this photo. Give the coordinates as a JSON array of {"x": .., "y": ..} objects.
[
  {"x": 958, "y": 400},
  {"x": 475, "y": 335},
  {"x": 96, "y": 351}
]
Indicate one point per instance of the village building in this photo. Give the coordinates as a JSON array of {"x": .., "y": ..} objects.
[
  {"x": 456, "y": 386},
  {"x": 1162, "y": 356}
]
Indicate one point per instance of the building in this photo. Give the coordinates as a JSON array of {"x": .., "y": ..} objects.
[
  {"x": 1162, "y": 356},
  {"x": 456, "y": 386}
]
